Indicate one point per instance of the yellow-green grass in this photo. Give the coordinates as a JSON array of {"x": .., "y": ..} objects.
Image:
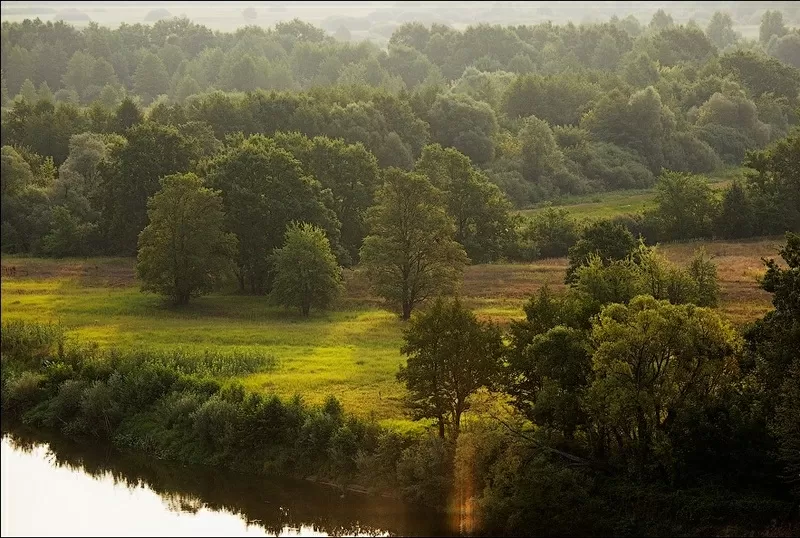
[
  {"x": 600, "y": 205},
  {"x": 352, "y": 351},
  {"x": 613, "y": 203}
]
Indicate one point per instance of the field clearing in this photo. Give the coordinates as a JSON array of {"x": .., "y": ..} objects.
[
  {"x": 351, "y": 352},
  {"x": 603, "y": 205}
]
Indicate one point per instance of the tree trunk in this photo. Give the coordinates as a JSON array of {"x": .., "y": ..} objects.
[
  {"x": 457, "y": 423},
  {"x": 305, "y": 310},
  {"x": 441, "y": 427},
  {"x": 406, "y": 310}
]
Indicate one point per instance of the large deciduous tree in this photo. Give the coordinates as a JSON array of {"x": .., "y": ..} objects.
[
  {"x": 605, "y": 239},
  {"x": 685, "y": 205},
  {"x": 306, "y": 272},
  {"x": 465, "y": 124},
  {"x": 131, "y": 175},
  {"x": 477, "y": 206},
  {"x": 652, "y": 362},
  {"x": 410, "y": 254},
  {"x": 264, "y": 189},
  {"x": 184, "y": 251},
  {"x": 450, "y": 356},
  {"x": 351, "y": 174}
]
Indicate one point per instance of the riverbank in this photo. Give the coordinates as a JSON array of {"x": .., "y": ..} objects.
[{"x": 161, "y": 406}]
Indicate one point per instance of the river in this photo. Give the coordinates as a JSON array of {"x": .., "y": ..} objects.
[{"x": 52, "y": 486}]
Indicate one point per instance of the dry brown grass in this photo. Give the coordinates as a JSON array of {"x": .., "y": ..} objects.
[{"x": 739, "y": 266}]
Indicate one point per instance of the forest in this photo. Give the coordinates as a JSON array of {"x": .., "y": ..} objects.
[{"x": 207, "y": 184}]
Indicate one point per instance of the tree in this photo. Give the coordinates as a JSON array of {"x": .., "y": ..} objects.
[
  {"x": 641, "y": 123},
  {"x": 704, "y": 273},
  {"x": 771, "y": 25},
  {"x": 410, "y": 254},
  {"x": 306, "y": 272},
  {"x": 552, "y": 232},
  {"x": 653, "y": 362},
  {"x": 777, "y": 334},
  {"x": 264, "y": 188},
  {"x": 450, "y": 356},
  {"x": 720, "y": 30},
  {"x": 183, "y": 251},
  {"x": 131, "y": 175},
  {"x": 28, "y": 92},
  {"x": 661, "y": 20},
  {"x": 79, "y": 73},
  {"x": 640, "y": 70},
  {"x": 77, "y": 187},
  {"x": 127, "y": 115},
  {"x": 16, "y": 173},
  {"x": 465, "y": 124},
  {"x": 557, "y": 99},
  {"x": 774, "y": 186},
  {"x": 151, "y": 78},
  {"x": 243, "y": 74},
  {"x": 4, "y": 97},
  {"x": 685, "y": 206},
  {"x": 735, "y": 218},
  {"x": 785, "y": 425},
  {"x": 478, "y": 208},
  {"x": 351, "y": 174},
  {"x": 541, "y": 157},
  {"x": 548, "y": 375},
  {"x": 787, "y": 49},
  {"x": 342, "y": 34},
  {"x": 761, "y": 74},
  {"x": 68, "y": 235},
  {"x": 44, "y": 93},
  {"x": 603, "y": 238}
]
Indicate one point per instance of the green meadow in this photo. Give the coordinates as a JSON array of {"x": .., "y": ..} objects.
[
  {"x": 351, "y": 351},
  {"x": 613, "y": 203}
]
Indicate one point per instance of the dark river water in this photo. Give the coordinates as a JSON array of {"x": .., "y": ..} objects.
[{"x": 51, "y": 486}]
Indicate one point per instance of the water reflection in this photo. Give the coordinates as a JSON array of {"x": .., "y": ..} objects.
[{"x": 91, "y": 489}]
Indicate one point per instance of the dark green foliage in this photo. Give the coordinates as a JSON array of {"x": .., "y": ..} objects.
[
  {"x": 131, "y": 175},
  {"x": 774, "y": 186},
  {"x": 559, "y": 100},
  {"x": 735, "y": 218},
  {"x": 184, "y": 251},
  {"x": 306, "y": 272},
  {"x": 264, "y": 188},
  {"x": 351, "y": 174},
  {"x": 548, "y": 376},
  {"x": 551, "y": 233},
  {"x": 530, "y": 495},
  {"x": 685, "y": 206},
  {"x": 773, "y": 342},
  {"x": 465, "y": 124},
  {"x": 478, "y": 208},
  {"x": 603, "y": 238},
  {"x": 468, "y": 89},
  {"x": 762, "y": 74},
  {"x": 450, "y": 356}
]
